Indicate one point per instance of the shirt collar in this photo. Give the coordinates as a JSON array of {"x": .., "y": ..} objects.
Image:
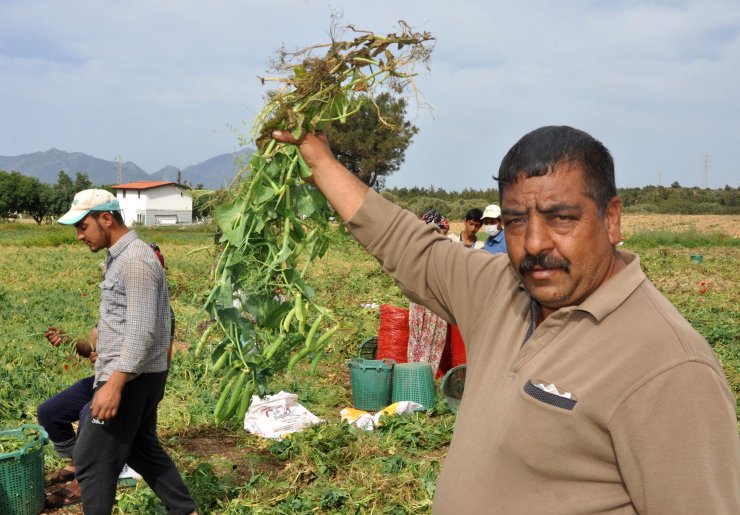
[
  {"x": 497, "y": 238},
  {"x": 123, "y": 242},
  {"x": 615, "y": 290}
]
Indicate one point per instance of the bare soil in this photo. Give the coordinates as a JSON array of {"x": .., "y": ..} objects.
[
  {"x": 632, "y": 223},
  {"x": 225, "y": 449},
  {"x": 725, "y": 224},
  {"x": 221, "y": 447}
]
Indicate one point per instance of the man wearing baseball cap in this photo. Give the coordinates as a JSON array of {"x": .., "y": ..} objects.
[
  {"x": 494, "y": 227},
  {"x": 90, "y": 200},
  {"x": 131, "y": 368}
]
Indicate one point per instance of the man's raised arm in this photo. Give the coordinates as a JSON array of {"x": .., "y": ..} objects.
[{"x": 342, "y": 189}]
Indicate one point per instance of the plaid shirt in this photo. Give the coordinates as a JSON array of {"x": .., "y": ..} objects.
[{"x": 134, "y": 325}]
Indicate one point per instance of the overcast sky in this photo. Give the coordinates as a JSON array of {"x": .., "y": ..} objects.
[{"x": 166, "y": 82}]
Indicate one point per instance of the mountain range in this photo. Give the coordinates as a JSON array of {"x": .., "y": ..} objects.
[{"x": 214, "y": 173}]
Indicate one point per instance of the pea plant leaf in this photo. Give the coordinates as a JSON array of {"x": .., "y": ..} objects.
[{"x": 230, "y": 221}]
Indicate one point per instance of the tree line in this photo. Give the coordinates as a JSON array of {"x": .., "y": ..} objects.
[
  {"x": 22, "y": 195},
  {"x": 372, "y": 151},
  {"x": 674, "y": 199}
]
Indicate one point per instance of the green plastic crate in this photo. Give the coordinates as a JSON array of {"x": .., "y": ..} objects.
[
  {"x": 369, "y": 348},
  {"x": 414, "y": 382},
  {"x": 22, "y": 474},
  {"x": 453, "y": 385},
  {"x": 371, "y": 383}
]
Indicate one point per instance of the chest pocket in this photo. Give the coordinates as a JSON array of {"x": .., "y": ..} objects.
[{"x": 113, "y": 297}]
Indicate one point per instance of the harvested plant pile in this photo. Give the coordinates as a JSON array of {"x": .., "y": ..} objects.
[
  {"x": 12, "y": 443},
  {"x": 260, "y": 302}
]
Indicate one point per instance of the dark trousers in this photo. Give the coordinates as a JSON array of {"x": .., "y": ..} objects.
[
  {"x": 131, "y": 437},
  {"x": 57, "y": 414}
]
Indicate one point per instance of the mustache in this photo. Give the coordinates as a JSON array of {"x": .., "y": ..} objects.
[{"x": 546, "y": 261}]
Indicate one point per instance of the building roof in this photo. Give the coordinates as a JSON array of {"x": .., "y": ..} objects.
[{"x": 145, "y": 185}]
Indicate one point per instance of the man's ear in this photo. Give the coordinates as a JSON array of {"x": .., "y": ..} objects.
[
  {"x": 106, "y": 219},
  {"x": 613, "y": 220}
]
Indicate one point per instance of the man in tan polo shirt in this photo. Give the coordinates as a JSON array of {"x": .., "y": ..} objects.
[{"x": 586, "y": 391}]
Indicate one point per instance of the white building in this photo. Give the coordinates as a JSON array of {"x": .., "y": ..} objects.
[{"x": 155, "y": 203}]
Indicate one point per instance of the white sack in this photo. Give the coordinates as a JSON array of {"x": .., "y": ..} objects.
[{"x": 277, "y": 415}]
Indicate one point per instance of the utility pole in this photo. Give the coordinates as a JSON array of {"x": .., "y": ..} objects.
[
  {"x": 660, "y": 178},
  {"x": 119, "y": 169},
  {"x": 705, "y": 175}
]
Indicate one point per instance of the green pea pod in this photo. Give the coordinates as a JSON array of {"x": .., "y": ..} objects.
[
  {"x": 271, "y": 349},
  {"x": 203, "y": 340},
  {"x": 217, "y": 412},
  {"x": 300, "y": 314},
  {"x": 288, "y": 319},
  {"x": 305, "y": 169},
  {"x": 236, "y": 394},
  {"x": 245, "y": 401},
  {"x": 221, "y": 361},
  {"x": 285, "y": 248},
  {"x": 231, "y": 373},
  {"x": 315, "y": 361},
  {"x": 297, "y": 357},
  {"x": 325, "y": 337},
  {"x": 298, "y": 249},
  {"x": 312, "y": 331}
]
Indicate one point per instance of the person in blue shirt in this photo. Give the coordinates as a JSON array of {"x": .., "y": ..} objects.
[{"x": 494, "y": 227}]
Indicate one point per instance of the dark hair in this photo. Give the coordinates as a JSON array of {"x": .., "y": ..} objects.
[
  {"x": 540, "y": 151},
  {"x": 474, "y": 214},
  {"x": 117, "y": 216}
]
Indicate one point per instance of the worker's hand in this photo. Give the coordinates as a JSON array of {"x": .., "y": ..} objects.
[
  {"x": 313, "y": 147},
  {"x": 56, "y": 336},
  {"x": 93, "y": 357},
  {"x": 107, "y": 398},
  {"x": 105, "y": 402}
]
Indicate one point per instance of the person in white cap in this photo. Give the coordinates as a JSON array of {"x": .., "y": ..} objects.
[
  {"x": 132, "y": 363},
  {"x": 494, "y": 227}
]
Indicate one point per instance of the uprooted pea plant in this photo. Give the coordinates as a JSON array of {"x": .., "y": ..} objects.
[{"x": 275, "y": 226}]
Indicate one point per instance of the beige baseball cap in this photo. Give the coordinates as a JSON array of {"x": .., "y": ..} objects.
[
  {"x": 491, "y": 211},
  {"x": 89, "y": 200}
]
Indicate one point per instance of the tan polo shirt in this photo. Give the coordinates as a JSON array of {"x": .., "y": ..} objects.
[{"x": 649, "y": 425}]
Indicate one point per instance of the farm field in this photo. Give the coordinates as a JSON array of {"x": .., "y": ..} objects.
[
  {"x": 632, "y": 223},
  {"x": 725, "y": 224},
  {"x": 46, "y": 278}
]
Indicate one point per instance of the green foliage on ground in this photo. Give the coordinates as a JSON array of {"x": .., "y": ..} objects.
[
  {"x": 689, "y": 239},
  {"x": 48, "y": 278}
]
